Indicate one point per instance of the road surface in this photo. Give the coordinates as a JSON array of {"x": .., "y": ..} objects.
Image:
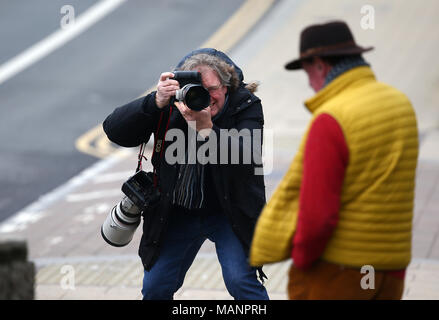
[{"x": 47, "y": 106}]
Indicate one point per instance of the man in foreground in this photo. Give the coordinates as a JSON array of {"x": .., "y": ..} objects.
[{"x": 351, "y": 184}]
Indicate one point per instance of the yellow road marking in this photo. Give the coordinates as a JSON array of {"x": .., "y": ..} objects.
[
  {"x": 238, "y": 25},
  {"x": 94, "y": 142},
  {"x": 85, "y": 142}
]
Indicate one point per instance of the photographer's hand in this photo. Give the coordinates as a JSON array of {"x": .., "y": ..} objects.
[
  {"x": 201, "y": 120},
  {"x": 166, "y": 88}
]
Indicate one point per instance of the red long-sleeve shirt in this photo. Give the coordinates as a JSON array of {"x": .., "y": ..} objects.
[{"x": 326, "y": 157}]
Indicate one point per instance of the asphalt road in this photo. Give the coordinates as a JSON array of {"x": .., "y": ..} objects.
[{"x": 46, "y": 107}]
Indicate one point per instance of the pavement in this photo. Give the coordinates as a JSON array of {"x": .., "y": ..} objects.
[{"x": 63, "y": 227}]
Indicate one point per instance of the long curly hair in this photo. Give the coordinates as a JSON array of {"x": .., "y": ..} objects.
[{"x": 226, "y": 73}]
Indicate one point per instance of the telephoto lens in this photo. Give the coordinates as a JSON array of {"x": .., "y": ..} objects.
[{"x": 119, "y": 227}]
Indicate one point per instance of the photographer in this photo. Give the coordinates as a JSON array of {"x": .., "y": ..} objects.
[{"x": 216, "y": 201}]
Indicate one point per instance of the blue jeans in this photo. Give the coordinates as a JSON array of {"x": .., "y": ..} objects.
[{"x": 184, "y": 237}]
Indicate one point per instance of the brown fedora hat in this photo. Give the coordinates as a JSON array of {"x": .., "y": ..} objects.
[{"x": 324, "y": 40}]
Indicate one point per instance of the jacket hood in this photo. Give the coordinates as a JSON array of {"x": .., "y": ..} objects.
[{"x": 216, "y": 53}]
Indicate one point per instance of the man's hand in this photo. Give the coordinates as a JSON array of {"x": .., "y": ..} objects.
[
  {"x": 165, "y": 89},
  {"x": 201, "y": 119}
]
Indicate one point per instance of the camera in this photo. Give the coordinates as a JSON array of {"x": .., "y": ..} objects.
[
  {"x": 192, "y": 92},
  {"x": 140, "y": 195}
]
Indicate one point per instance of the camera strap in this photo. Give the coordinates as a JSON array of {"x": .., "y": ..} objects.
[
  {"x": 140, "y": 157},
  {"x": 157, "y": 152}
]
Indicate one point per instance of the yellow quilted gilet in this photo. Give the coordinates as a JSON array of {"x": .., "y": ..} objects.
[{"x": 375, "y": 218}]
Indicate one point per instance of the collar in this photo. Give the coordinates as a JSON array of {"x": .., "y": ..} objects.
[
  {"x": 344, "y": 65},
  {"x": 337, "y": 85},
  {"x": 223, "y": 110}
]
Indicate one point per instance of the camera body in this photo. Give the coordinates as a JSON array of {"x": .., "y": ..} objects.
[
  {"x": 140, "y": 190},
  {"x": 191, "y": 91},
  {"x": 140, "y": 194},
  {"x": 187, "y": 77}
]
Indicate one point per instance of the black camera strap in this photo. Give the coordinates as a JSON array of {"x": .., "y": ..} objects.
[
  {"x": 159, "y": 138},
  {"x": 140, "y": 157}
]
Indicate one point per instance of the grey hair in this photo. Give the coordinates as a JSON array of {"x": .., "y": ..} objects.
[{"x": 226, "y": 73}]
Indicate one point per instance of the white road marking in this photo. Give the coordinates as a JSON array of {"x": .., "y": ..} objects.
[
  {"x": 98, "y": 208},
  {"x": 77, "y": 197},
  {"x": 113, "y": 176},
  {"x": 85, "y": 218},
  {"x": 21, "y": 220},
  {"x": 57, "y": 39},
  {"x": 37, "y": 210},
  {"x": 55, "y": 240}
]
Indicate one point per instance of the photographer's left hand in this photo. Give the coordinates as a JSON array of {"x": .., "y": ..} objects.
[{"x": 201, "y": 119}]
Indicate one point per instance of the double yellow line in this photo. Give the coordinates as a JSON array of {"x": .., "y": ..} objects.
[{"x": 94, "y": 142}]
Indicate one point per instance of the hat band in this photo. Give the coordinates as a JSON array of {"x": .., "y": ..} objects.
[{"x": 315, "y": 51}]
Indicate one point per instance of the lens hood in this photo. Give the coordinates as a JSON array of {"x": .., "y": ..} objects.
[{"x": 195, "y": 96}]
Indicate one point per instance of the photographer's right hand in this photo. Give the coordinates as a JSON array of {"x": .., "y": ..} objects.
[{"x": 166, "y": 88}]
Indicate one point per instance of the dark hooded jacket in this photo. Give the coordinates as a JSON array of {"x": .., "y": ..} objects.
[{"x": 239, "y": 192}]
